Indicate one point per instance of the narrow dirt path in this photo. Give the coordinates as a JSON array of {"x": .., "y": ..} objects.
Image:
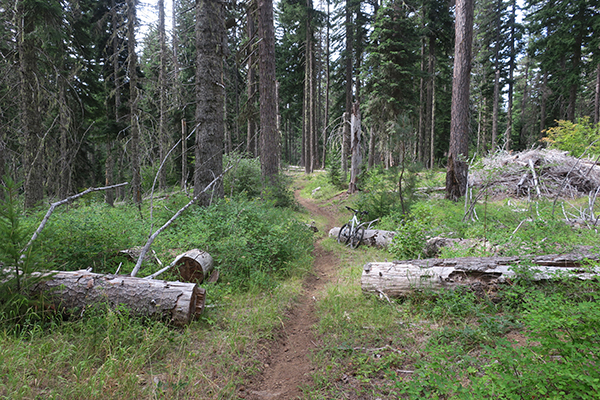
[{"x": 288, "y": 367}]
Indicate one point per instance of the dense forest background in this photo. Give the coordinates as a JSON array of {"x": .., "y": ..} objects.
[{"x": 79, "y": 108}]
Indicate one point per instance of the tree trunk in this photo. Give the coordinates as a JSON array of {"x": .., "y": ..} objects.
[
  {"x": 65, "y": 127},
  {"x": 327, "y": 87},
  {"x": 163, "y": 142},
  {"x": 348, "y": 93},
  {"x": 251, "y": 140},
  {"x": 511, "y": 71},
  {"x": 496, "y": 106},
  {"x": 74, "y": 291},
  {"x": 400, "y": 278},
  {"x": 421, "y": 125},
  {"x": 210, "y": 121},
  {"x": 544, "y": 101},
  {"x": 456, "y": 174},
  {"x": 597, "y": 96},
  {"x": 355, "y": 147},
  {"x": 270, "y": 146},
  {"x": 136, "y": 180},
  {"x": 576, "y": 61},
  {"x": 432, "y": 122},
  {"x": 429, "y": 114},
  {"x": 29, "y": 107},
  {"x": 371, "y": 161}
]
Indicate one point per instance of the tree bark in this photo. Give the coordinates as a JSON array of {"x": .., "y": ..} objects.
[
  {"x": 163, "y": 142},
  {"x": 251, "y": 140},
  {"x": 355, "y": 147},
  {"x": 456, "y": 174},
  {"x": 496, "y": 103},
  {"x": 210, "y": 121},
  {"x": 136, "y": 180},
  {"x": 511, "y": 72},
  {"x": 30, "y": 114},
  {"x": 270, "y": 142},
  {"x": 74, "y": 291},
  {"x": 348, "y": 93},
  {"x": 400, "y": 278},
  {"x": 597, "y": 97}
]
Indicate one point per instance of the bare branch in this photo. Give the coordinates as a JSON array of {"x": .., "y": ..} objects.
[
  {"x": 61, "y": 202},
  {"x": 151, "y": 239}
]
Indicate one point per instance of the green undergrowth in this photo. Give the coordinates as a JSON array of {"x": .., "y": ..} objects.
[
  {"x": 261, "y": 251},
  {"x": 523, "y": 340},
  {"x": 252, "y": 242},
  {"x": 520, "y": 340},
  {"x": 106, "y": 354}
]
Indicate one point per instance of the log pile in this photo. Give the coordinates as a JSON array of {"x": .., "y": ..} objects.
[
  {"x": 73, "y": 291},
  {"x": 399, "y": 278}
]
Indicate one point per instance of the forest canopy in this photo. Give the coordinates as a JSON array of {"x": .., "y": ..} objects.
[{"x": 80, "y": 107}]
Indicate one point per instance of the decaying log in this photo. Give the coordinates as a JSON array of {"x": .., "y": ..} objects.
[
  {"x": 399, "y": 278},
  {"x": 194, "y": 266},
  {"x": 372, "y": 237},
  {"x": 178, "y": 302}
]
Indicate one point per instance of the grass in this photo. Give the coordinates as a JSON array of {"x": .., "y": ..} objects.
[
  {"x": 108, "y": 354},
  {"x": 522, "y": 340}
]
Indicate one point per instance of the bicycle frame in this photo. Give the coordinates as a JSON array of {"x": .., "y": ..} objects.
[{"x": 353, "y": 232}]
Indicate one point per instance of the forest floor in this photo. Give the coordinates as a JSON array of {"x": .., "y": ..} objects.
[{"x": 288, "y": 368}]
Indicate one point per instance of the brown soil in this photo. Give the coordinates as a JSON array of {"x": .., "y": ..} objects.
[{"x": 288, "y": 367}]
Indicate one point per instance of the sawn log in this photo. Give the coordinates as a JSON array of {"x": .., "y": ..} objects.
[
  {"x": 178, "y": 302},
  {"x": 399, "y": 278}
]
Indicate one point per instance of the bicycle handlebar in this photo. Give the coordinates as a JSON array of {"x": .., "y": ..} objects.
[{"x": 356, "y": 211}]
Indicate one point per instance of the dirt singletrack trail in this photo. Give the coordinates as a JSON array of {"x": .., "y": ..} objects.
[{"x": 288, "y": 366}]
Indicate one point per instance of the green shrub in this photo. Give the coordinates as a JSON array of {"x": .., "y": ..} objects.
[
  {"x": 244, "y": 177},
  {"x": 574, "y": 137},
  {"x": 411, "y": 234}
]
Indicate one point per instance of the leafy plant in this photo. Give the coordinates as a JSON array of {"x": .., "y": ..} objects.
[
  {"x": 574, "y": 137},
  {"x": 411, "y": 235}
]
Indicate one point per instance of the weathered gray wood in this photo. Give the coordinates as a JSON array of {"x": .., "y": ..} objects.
[
  {"x": 179, "y": 302},
  {"x": 399, "y": 278},
  {"x": 372, "y": 237}
]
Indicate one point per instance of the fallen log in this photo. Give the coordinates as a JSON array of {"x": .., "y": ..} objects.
[
  {"x": 73, "y": 291},
  {"x": 399, "y": 278},
  {"x": 372, "y": 237}
]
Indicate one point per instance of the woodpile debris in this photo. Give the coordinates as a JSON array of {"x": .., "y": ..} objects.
[{"x": 538, "y": 172}]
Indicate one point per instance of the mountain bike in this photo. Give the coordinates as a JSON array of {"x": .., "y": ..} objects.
[{"x": 352, "y": 233}]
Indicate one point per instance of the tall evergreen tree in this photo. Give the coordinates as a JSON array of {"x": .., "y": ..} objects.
[
  {"x": 210, "y": 119},
  {"x": 456, "y": 173}
]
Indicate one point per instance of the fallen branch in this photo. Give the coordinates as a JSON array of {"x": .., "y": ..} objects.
[
  {"x": 151, "y": 239},
  {"x": 58, "y": 203}
]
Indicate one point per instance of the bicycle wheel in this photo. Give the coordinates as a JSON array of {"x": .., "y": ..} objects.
[
  {"x": 357, "y": 237},
  {"x": 344, "y": 234}
]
